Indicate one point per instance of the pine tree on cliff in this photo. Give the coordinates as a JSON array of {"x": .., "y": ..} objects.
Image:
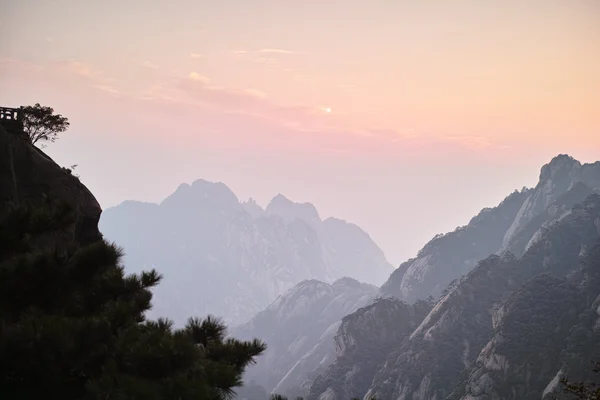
[{"x": 72, "y": 323}]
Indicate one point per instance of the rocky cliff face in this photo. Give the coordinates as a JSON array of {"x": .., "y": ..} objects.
[
  {"x": 556, "y": 178},
  {"x": 455, "y": 336},
  {"x": 509, "y": 226},
  {"x": 27, "y": 174},
  {"x": 298, "y": 328},
  {"x": 363, "y": 341},
  {"x": 523, "y": 353},
  {"x": 233, "y": 259},
  {"x": 447, "y": 257}
]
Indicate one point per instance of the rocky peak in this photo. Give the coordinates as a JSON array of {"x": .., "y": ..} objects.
[
  {"x": 202, "y": 193},
  {"x": 289, "y": 211},
  {"x": 560, "y": 166},
  {"x": 557, "y": 177},
  {"x": 252, "y": 208}
]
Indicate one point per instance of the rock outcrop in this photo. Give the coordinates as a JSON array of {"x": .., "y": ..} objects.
[
  {"x": 27, "y": 174},
  {"x": 363, "y": 341}
]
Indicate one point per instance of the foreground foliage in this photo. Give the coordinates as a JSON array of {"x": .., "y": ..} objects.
[
  {"x": 72, "y": 323},
  {"x": 583, "y": 390}
]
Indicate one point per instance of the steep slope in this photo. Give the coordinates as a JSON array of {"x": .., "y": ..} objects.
[
  {"x": 27, "y": 174},
  {"x": 576, "y": 194},
  {"x": 363, "y": 341},
  {"x": 295, "y": 324},
  {"x": 233, "y": 259},
  {"x": 524, "y": 354},
  {"x": 447, "y": 257},
  {"x": 509, "y": 226},
  {"x": 451, "y": 338},
  {"x": 581, "y": 349},
  {"x": 556, "y": 178}
]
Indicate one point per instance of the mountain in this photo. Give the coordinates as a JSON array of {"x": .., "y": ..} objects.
[
  {"x": 509, "y": 226},
  {"x": 363, "y": 340},
  {"x": 557, "y": 178},
  {"x": 501, "y": 331},
  {"x": 523, "y": 354},
  {"x": 231, "y": 258},
  {"x": 507, "y": 327},
  {"x": 298, "y": 328},
  {"x": 449, "y": 256}
]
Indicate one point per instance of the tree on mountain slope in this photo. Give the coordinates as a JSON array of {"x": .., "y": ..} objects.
[
  {"x": 72, "y": 323},
  {"x": 41, "y": 124},
  {"x": 583, "y": 390}
]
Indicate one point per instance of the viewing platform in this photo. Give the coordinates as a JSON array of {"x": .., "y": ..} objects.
[{"x": 10, "y": 119}]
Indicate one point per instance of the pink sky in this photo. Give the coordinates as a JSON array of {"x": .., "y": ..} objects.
[{"x": 438, "y": 108}]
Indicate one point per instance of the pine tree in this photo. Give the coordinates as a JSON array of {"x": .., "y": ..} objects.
[{"x": 72, "y": 323}]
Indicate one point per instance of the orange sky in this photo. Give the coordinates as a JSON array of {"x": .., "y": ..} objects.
[{"x": 459, "y": 101}]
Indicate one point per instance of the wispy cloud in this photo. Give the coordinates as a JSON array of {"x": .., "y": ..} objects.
[
  {"x": 93, "y": 75},
  {"x": 266, "y": 60},
  {"x": 149, "y": 64},
  {"x": 195, "y": 94},
  {"x": 194, "y": 76},
  {"x": 195, "y": 55},
  {"x": 276, "y": 51},
  {"x": 256, "y": 93},
  {"x": 108, "y": 89},
  {"x": 82, "y": 69}
]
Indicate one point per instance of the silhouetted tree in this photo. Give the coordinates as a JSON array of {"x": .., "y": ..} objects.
[
  {"x": 72, "y": 323},
  {"x": 41, "y": 124}
]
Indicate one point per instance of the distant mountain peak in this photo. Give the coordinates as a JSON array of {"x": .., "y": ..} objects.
[
  {"x": 290, "y": 211},
  {"x": 202, "y": 191},
  {"x": 559, "y": 166},
  {"x": 252, "y": 208}
]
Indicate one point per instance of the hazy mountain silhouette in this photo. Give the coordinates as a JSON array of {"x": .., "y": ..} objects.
[{"x": 233, "y": 259}]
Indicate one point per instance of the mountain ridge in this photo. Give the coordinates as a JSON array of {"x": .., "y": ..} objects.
[{"x": 251, "y": 255}]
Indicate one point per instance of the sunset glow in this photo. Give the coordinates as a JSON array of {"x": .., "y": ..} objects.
[{"x": 186, "y": 89}]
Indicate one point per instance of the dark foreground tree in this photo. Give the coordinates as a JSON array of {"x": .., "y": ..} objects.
[
  {"x": 41, "y": 124},
  {"x": 72, "y": 323}
]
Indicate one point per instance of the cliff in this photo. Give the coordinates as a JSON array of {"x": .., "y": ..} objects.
[{"x": 28, "y": 175}]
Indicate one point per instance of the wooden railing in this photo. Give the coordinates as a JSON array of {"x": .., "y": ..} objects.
[{"x": 10, "y": 118}]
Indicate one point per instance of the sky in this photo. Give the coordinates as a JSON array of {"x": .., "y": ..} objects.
[{"x": 404, "y": 117}]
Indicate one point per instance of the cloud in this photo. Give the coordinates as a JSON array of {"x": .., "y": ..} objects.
[
  {"x": 149, "y": 64},
  {"x": 276, "y": 51},
  {"x": 195, "y": 55},
  {"x": 470, "y": 142},
  {"x": 49, "y": 39},
  {"x": 108, "y": 89},
  {"x": 266, "y": 60},
  {"x": 256, "y": 93},
  {"x": 82, "y": 69},
  {"x": 194, "y": 76},
  {"x": 194, "y": 95}
]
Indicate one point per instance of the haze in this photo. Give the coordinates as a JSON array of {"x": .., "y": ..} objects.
[{"x": 432, "y": 103}]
